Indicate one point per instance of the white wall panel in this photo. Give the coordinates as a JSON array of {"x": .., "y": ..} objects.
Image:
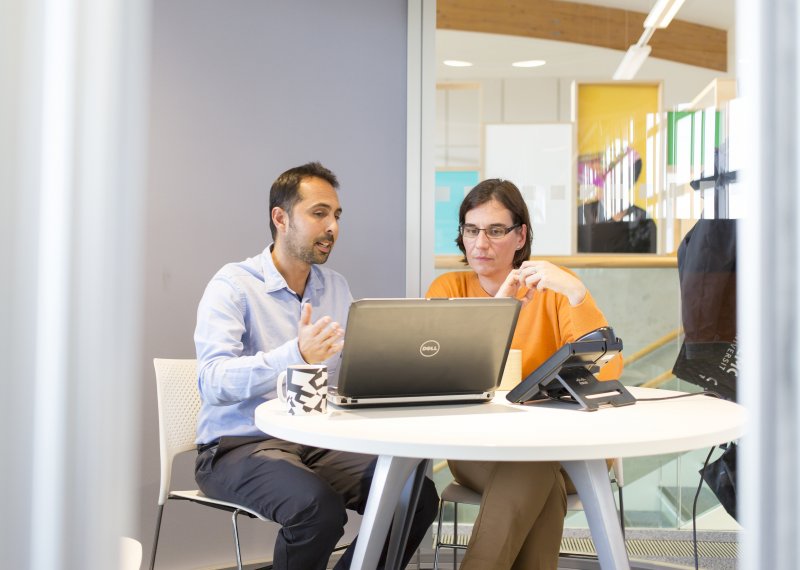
[
  {"x": 240, "y": 92},
  {"x": 530, "y": 100}
]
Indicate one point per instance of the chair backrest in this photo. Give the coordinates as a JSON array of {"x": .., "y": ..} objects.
[
  {"x": 130, "y": 553},
  {"x": 178, "y": 406}
]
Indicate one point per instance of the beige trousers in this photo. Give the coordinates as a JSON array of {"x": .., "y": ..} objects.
[{"x": 521, "y": 517}]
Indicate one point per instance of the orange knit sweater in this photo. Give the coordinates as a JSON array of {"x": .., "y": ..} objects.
[{"x": 545, "y": 324}]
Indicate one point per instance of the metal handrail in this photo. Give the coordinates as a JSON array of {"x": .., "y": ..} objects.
[{"x": 653, "y": 346}]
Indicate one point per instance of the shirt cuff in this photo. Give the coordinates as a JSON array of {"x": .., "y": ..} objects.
[{"x": 284, "y": 356}]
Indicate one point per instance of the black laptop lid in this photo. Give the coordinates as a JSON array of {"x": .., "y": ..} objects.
[{"x": 425, "y": 347}]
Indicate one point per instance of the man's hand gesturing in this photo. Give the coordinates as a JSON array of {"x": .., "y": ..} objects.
[{"x": 320, "y": 340}]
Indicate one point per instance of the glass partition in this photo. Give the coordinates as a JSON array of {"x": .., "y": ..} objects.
[
  {"x": 650, "y": 162},
  {"x": 675, "y": 339}
]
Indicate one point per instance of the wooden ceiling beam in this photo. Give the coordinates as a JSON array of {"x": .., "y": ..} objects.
[{"x": 683, "y": 42}]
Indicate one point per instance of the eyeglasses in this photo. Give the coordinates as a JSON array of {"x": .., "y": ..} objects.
[{"x": 495, "y": 231}]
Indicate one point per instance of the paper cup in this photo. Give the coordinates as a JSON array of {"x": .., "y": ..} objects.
[{"x": 512, "y": 373}]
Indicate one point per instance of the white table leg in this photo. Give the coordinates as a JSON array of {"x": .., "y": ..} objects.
[
  {"x": 391, "y": 474},
  {"x": 594, "y": 488}
]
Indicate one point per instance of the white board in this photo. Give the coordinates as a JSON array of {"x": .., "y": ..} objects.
[{"x": 538, "y": 159}]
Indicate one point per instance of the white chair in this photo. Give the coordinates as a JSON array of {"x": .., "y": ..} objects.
[
  {"x": 178, "y": 406},
  {"x": 458, "y": 494},
  {"x": 130, "y": 553}
]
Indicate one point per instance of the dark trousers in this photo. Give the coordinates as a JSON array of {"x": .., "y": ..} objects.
[{"x": 304, "y": 489}]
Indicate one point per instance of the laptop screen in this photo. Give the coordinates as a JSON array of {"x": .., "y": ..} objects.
[{"x": 425, "y": 347}]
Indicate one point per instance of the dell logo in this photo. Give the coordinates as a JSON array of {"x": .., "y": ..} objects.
[{"x": 429, "y": 348}]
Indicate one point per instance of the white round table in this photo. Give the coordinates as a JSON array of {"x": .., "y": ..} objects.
[{"x": 401, "y": 437}]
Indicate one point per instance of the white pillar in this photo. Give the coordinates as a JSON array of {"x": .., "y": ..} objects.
[
  {"x": 71, "y": 171},
  {"x": 769, "y": 313}
]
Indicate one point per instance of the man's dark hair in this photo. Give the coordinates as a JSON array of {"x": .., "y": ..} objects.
[
  {"x": 509, "y": 196},
  {"x": 285, "y": 191}
]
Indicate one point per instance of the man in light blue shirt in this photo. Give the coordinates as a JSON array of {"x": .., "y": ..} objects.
[{"x": 254, "y": 320}]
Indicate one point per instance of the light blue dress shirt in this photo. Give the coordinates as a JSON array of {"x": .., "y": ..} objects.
[{"x": 246, "y": 334}]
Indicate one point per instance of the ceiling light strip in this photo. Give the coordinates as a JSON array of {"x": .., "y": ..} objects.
[
  {"x": 662, "y": 13},
  {"x": 630, "y": 64}
]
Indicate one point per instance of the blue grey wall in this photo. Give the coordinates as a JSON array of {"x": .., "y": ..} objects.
[{"x": 240, "y": 91}]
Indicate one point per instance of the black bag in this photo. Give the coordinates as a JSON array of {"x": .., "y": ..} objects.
[
  {"x": 707, "y": 273},
  {"x": 720, "y": 476},
  {"x": 711, "y": 365}
]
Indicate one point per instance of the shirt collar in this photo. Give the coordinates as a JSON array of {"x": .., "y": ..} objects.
[{"x": 274, "y": 281}]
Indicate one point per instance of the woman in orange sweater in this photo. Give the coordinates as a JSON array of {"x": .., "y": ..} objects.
[{"x": 521, "y": 517}]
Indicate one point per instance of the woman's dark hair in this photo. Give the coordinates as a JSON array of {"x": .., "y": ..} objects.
[
  {"x": 285, "y": 191},
  {"x": 509, "y": 196}
]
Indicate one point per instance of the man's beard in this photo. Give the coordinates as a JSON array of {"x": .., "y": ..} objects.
[{"x": 307, "y": 253}]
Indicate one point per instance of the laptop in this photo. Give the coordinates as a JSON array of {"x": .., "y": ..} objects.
[{"x": 423, "y": 351}]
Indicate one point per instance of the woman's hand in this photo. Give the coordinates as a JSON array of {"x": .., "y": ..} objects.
[
  {"x": 511, "y": 287},
  {"x": 539, "y": 276}
]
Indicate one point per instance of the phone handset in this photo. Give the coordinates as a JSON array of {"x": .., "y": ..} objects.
[{"x": 603, "y": 333}]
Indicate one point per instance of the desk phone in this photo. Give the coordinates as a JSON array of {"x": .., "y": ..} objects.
[{"x": 568, "y": 375}]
